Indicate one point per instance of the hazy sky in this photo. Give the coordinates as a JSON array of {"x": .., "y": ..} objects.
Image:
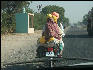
[{"x": 74, "y": 10}]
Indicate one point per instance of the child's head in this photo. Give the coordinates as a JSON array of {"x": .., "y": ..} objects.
[{"x": 55, "y": 14}]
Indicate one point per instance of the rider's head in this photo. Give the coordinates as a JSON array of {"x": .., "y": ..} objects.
[
  {"x": 49, "y": 15},
  {"x": 49, "y": 18},
  {"x": 55, "y": 18}
]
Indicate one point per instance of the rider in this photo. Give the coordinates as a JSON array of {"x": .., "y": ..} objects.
[
  {"x": 62, "y": 28},
  {"x": 63, "y": 34},
  {"x": 52, "y": 31}
]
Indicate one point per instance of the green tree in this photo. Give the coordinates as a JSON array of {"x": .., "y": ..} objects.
[
  {"x": 87, "y": 16},
  {"x": 39, "y": 20},
  {"x": 14, "y": 6},
  {"x": 50, "y": 9},
  {"x": 65, "y": 22},
  {"x": 60, "y": 10},
  {"x": 8, "y": 10}
]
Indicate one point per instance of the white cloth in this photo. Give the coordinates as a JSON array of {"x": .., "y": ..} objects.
[{"x": 61, "y": 26}]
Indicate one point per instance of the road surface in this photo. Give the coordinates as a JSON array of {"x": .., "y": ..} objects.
[{"x": 77, "y": 44}]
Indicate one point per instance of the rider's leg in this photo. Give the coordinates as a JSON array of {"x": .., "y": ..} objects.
[{"x": 61, "y": 47}]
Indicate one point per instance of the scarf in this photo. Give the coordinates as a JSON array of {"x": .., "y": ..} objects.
[{"x": 52, "y": 30}]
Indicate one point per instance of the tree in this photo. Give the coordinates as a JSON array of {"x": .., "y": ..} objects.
[
  {"x": 14, "y": 6},
  {"x": 65, "y": 22},
  {"x": 39, "y": 20},
  {"x": 87, "y": 16},
  {"x": 8, "y": 10},
  {"x": 60, "y": 10}
]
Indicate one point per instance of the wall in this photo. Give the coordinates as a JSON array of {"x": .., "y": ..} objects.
[{"x": 21, "y": 23}]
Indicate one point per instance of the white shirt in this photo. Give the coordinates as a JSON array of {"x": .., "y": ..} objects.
[{"x": 61, "y": 26}]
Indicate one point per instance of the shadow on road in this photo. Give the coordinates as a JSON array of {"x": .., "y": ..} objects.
[
  {"x": 20, "y": 67},
  {"x": 78, "y": 36}
]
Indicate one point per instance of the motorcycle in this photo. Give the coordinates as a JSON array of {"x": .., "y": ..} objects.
[{"x": 49, "y": 49}]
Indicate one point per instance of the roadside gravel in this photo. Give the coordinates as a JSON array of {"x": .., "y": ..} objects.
[{"x": 19, "y": 47}]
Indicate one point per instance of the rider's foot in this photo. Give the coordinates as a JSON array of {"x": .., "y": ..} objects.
[{"x": 60, "y": 56}]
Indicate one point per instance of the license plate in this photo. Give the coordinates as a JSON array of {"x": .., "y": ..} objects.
[{"x": 49, "y": 53}]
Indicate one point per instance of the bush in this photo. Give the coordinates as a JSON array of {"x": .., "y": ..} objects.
[
  {"x": 39, "y": 21},
  {"x": 7, "y": 25}
]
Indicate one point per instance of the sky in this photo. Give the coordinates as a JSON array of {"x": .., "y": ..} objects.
[{"x": 74, "y": 10}]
